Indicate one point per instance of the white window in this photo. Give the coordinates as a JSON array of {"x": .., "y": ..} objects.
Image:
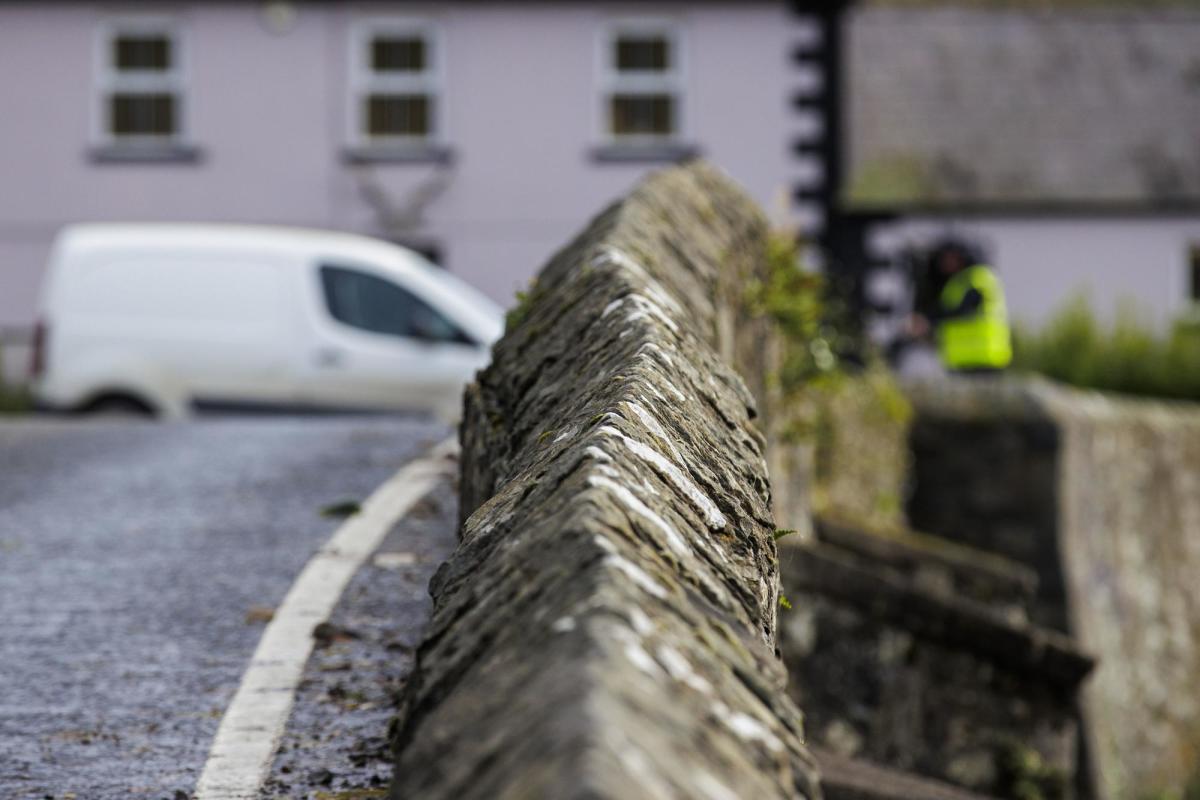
[
  {"x": 140, "y": 98},
  {"x": 641, "y": 93},
  {"x": 395, "y": 84}
]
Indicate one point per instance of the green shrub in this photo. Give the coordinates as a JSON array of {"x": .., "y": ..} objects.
[
  {"x": 13, "y": 399},
  {"x": 839, "y": 397},
  {"x": 1127, "y": 356}
]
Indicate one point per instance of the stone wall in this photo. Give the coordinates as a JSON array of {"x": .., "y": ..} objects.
[
  {"x": 986, "y": 476},
  {"x": 607, "y": 627},
  {"x": 860, "y": 446},
  {"x": 1103, "y": 496},
  {"x": 917, "y": 654}
]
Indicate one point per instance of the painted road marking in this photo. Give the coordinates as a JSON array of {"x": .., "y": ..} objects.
[{"x": 249, "y": 734}]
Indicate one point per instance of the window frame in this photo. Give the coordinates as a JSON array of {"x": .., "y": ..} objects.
[
  {"x": 612, "y": 81},
  {"x": 109, "y": 81},
  {"x": 365, "y": 81}
]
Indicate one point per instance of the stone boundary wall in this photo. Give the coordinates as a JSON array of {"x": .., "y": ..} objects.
[
  {"x": 607, "y": 627},
  {"x": 1107, "y": 491}
]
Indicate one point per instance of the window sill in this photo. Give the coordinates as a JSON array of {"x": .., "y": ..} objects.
[
  {"x": 145, "y": 154},
  {"x": 410, "y": 154},
  {"x": 644, "y": 153}
]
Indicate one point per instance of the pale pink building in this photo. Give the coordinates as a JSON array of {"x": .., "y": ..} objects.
[{"x": 483, "y": 133}]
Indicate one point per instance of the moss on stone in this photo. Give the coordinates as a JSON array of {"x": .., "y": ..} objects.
[
  {"x": 525, "y": 300},
  {"x": 1024, "y": 775},
  {"x": 890, "y": 179},
  {"x": 858, "y": 426}
]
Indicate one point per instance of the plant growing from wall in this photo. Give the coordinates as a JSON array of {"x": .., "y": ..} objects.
[
  {"x": 522, "y": 302},
  {"x": 799, "y": 303},
  {"x": 849, "y": 410},
  {"x": 1024, "y": 775}
]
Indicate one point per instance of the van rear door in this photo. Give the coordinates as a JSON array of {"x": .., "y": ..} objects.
[{"x": 379, "y": 345}]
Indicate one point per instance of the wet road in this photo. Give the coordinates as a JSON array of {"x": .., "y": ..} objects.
[{"x": 133, "y": 558}]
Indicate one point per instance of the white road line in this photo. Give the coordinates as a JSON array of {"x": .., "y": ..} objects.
[{"x": 250, "y": 731}]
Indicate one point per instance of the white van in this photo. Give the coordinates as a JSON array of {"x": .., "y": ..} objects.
[{"x": 169, "y": 319}]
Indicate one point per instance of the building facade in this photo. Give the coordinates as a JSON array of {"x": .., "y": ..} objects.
[
  {"x": 480, "y": 133},
  {"x": 1062, "y": 140}
]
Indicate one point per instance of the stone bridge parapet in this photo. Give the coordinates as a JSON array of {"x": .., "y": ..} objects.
[{"x": 607, "y": 627}]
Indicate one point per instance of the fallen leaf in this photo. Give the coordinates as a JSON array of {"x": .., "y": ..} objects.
[
  {"x": 327, "y": 633},
  {"x": 342, "y": 509},
  {"x": 259, "y": 614}
]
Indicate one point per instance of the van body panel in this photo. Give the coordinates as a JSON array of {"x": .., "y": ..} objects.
[{"x": 216, "y": 324}]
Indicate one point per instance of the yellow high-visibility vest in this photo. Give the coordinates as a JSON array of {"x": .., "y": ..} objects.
[{"x": 982, "y": 339}]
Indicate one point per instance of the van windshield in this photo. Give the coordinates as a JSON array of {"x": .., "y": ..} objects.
[{"x": 370, "y": 303}]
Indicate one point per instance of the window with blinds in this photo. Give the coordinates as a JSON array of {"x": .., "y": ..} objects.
[
  {"x": 396, "y": 84},
  {"x": 642, "y": 84},
  {"x": 140, "y": 84}
]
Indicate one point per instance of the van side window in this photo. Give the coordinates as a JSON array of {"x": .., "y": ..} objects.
[{"x": 373, "y": 304}]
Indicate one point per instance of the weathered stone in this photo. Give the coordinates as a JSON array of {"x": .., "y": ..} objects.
[
  {"x": 897, "y": 669},
  {"x": 607, "y": 626},
  {"x": 992, "y": 482},
  {"x": 859, "y": 432},
  {"x": 851, "y": 779},
  {"x": 935, "y": 563},
  {"x": 1102, "y": 497}
]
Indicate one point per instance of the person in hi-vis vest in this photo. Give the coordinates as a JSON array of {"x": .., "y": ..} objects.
[{"x": 970, "y": 318}]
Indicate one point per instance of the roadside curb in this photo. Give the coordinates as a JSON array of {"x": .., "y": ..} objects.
[{"x": 245, "y": 744}]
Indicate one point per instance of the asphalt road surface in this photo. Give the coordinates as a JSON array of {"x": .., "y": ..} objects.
[{"x": 136, "y": 561}]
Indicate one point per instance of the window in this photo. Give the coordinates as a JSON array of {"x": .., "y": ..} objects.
[
  {"x": 642, "y": 87},
  {"x": 395, "y": 84},
  {"x": 140, "y": 86},
  {"x": 369, "y": 303}
]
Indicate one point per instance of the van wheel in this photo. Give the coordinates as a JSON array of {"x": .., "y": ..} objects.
[{"x": 118, "y": 405}]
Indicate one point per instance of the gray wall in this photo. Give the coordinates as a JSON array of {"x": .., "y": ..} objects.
[
  {"x": 1080, "y": 108},
  {"x": 269, "y": 111},
  {"x": 1098, "y": 494},
  {"x": 1089, "y": 104}
]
